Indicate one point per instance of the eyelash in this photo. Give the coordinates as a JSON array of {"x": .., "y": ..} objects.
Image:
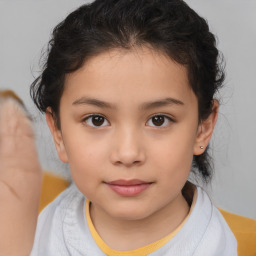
[{"x": 166, "y": 118}]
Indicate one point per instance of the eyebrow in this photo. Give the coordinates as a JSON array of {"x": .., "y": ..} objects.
[{"x": 144, "y": 106}]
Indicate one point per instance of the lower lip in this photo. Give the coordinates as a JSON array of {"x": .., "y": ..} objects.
[{"x": 131, "y": 190}]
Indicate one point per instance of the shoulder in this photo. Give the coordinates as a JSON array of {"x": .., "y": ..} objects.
[
  {"x": 58, "y": 208},
  {"x": 49, "y": 231},
  {"x": 217, "y": 236},
  {"x": 205, "y": 232}
]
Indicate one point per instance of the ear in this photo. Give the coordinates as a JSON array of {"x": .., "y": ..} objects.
[
  {"x": 205, "y": 130},
  {"x": 57, "y": 135}
]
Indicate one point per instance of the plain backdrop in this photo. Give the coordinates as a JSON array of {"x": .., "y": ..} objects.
[{"x": 25, "y": 28}]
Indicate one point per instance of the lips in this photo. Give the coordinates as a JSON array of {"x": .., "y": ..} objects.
[{"x": 128, "y": 187}]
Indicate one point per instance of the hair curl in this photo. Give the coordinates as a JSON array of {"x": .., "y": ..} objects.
[{"x": 169, "y": 26}]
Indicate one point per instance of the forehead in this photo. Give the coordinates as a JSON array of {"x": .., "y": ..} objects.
[{"x": 138, "y": 74}]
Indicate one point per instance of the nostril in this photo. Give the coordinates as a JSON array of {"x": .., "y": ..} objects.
[{"x": 127, "y": 163}]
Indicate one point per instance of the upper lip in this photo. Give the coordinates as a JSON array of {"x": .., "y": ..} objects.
[{"x": 128, "y": 182}]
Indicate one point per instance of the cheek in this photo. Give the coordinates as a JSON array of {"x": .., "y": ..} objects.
[
  {"x": 86, "y": 163},
  {"x": 173, "y": 172},
  {"x": 173, "y": 157},
  {"x": 86, "y": 157}
]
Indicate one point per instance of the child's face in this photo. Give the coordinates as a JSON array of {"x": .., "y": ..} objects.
[{"x": 132, "y": 158}]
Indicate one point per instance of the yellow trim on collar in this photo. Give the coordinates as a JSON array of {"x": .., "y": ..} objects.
[{"x": 145, "y": 250}]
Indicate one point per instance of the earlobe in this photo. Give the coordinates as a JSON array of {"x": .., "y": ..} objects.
[
  {"x": 205, "y": 130},
  {"x": 57, "y": 135}
]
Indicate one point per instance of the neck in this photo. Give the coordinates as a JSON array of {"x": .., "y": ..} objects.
[{"x": 125, "y": 235}]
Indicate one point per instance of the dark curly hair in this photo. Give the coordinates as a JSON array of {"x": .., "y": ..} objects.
[{"x": 169, "y": 26}]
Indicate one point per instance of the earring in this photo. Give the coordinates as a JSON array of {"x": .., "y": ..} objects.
[{"x": 201, "y": 147}]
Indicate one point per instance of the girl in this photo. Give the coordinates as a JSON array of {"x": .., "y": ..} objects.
[{"x": 128, "y": 91}]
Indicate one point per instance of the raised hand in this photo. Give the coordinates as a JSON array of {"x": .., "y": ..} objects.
[{"x": 20, "y": 179}]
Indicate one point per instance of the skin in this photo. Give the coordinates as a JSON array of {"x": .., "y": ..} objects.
[
  {"x": 128, "y": 145},
  {"x": 20, "y": 180}
]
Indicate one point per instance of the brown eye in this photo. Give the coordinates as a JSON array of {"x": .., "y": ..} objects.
[
  {"x": 96, "y": 121},
  {"x": 159, "y": 121}
]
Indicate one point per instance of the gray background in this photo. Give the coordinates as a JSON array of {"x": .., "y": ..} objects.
[{"x": 25, "y": 28}]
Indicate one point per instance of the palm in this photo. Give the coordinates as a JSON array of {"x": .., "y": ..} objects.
[{"x": 20, "y": 179}]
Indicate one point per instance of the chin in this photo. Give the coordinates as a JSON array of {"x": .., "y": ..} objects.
[{"x": 130, "y": 213}]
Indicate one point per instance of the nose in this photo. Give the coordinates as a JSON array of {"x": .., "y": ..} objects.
[{"x": 127, "y": 148}]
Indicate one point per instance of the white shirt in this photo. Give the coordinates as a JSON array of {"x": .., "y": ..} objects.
[{"x": 62, "y": 230}]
